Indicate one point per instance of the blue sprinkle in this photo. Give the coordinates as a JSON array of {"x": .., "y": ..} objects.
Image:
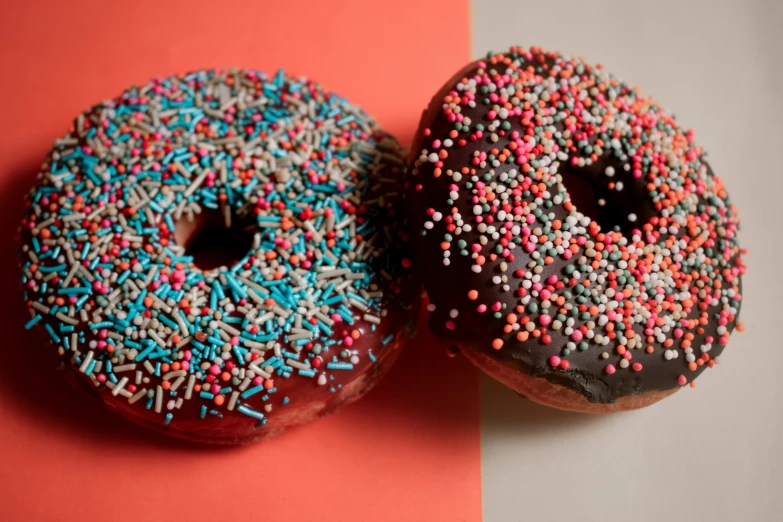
[
  {"x": 52, "y": 334},
  {"x": 251, "y": 413},
  {"x": 339, "y": 366},
  {"x": 252, "y": 391},
  {"x": 32, "y": 322}
]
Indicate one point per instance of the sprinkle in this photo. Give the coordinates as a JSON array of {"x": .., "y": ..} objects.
[
  {"x": 158, "y": 399},
  {"x": 251, "y": 413},
  {"x": 252, "y": 391},
  {"x": 86, "y": 363},
  {"x": 32, "y": 322},
  {"x": 138, "y": 395},
  {"x": 119, "y": 386}
]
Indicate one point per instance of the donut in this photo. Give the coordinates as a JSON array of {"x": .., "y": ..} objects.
[
  {"x": 218, "y": 255},
  {"x": 573, "y": 241}
]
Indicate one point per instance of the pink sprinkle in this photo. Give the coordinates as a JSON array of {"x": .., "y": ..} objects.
[
  {"x": 636, "y": 366},
  {"x": 545, "y": 320},
  {"x": 610, "y": 369},
  {"x": 682, "y": 380},
  {"x": 554, "y": 361},
  {"x": 576, "y": 335},
  {"x": 481, "y": 308}
]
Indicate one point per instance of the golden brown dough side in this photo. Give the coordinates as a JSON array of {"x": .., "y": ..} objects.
[{"x": 549, "y": 394}]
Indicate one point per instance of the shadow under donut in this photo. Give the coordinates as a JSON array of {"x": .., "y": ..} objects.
[{"x": 506, "y": 412}]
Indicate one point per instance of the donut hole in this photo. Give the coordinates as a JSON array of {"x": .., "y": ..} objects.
[
  {"x": 617, "y": 202},
  {"x": 211, "y": 241},
  {"x": 582, "y": 194}
]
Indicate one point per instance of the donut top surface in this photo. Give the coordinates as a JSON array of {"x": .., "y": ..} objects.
[
  {"x": 564, "y": 224},
  {"x": 312, "y": 177}
]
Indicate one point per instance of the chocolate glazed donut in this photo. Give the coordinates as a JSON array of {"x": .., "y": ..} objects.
[{"x": 573, "y": 241}]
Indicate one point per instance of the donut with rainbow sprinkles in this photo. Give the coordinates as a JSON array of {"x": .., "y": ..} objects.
[
  {"x": 572, "y": 238},
  {"x": 218, "y": 255}
]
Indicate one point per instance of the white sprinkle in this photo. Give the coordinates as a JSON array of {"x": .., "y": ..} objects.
[
  {"x": 189, "y": 389},
  {"x": 233, "y": 400},
  {"x": 138, "y": 395},
  {"x": 158, "y": 399},
  {"x": 120, "y": 385}
]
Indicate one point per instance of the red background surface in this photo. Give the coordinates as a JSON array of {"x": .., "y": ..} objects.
[{"x": 408, "y": 452}]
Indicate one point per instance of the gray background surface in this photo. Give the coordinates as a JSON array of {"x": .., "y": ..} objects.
[{"x": 715, "y": 452}]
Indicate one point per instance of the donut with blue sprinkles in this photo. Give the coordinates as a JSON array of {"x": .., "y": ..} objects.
[{"x": 306, "y": 317}]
